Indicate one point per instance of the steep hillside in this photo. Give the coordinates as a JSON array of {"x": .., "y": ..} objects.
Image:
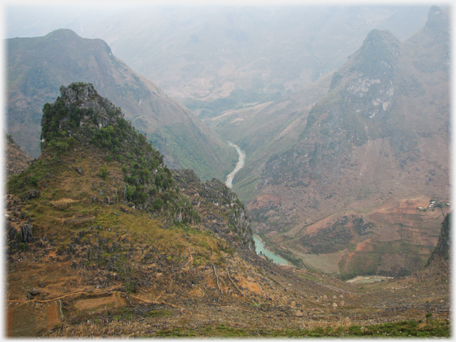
[
  {"x": 373, "y": 149},
  {"x": 37, "y": 67},
  {"x": 15, "y": 159},
  {"x": 104, "y": 240},
  {"x": 101, "y": 203}
]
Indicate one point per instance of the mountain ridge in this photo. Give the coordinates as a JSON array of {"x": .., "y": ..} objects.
[{"x": 240, "y": 64}]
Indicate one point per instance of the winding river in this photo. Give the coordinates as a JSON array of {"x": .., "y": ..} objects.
[
  {"x": 259, "y": 246},
  {"x": 239, "y": 165}
]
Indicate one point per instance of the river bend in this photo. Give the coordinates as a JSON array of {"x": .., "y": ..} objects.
[{"x": 239, "y": 165}]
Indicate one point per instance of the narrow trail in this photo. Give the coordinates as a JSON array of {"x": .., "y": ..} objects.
[{"x": 239, "y": 165}]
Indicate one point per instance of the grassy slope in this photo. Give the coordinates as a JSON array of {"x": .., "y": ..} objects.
[{"x": 67, "y": 201}]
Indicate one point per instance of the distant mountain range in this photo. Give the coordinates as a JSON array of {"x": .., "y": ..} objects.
[
  {"x": 376, "y": 144},
  {"x": 215, "y": 58},
  {"x": 37, "y": 67}
]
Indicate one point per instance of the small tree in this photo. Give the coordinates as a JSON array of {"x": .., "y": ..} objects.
[{"x": 103, "y": 172}]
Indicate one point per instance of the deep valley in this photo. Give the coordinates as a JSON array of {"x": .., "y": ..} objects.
[{"x": 241, "y": 172}]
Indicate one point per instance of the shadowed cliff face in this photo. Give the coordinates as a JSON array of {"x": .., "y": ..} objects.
[
  {"x": 37, "y": 67},
  {"x": 443, "y": 248}
]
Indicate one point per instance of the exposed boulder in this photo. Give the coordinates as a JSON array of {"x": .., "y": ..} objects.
[
  {"x": 26, "y": 233},
  {"x": 30, "y": 195}
]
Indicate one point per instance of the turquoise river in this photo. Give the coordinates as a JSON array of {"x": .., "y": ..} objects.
[{"x": 259, "y": 247}]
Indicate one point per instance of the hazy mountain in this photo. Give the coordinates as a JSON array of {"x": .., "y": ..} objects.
[
  {"x": 218, "y": 58},
  {"x": 368, "y": 153},
  {"x": 37, "y": 67},
  {"x": 16, "y": 160}
]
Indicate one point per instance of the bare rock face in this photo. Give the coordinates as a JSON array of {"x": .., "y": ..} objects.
[
  {"x": 216, "y": 192},
  {"x": 85, "y": 96}
]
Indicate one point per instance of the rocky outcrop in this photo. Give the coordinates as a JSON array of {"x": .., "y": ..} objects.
[
  {"x": 27, "y": 233},
  {"x": 79, "y": 106},
  {"x": 221, "y": 210},
  {"x": 240, "y": 224},
  {"x": 80, "y": 116},
  {"x": 356, "y": 110},
  {"x": 218, "y": 193}
]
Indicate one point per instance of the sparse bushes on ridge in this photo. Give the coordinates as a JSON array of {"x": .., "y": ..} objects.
[{"x": 81, "y": 116}]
